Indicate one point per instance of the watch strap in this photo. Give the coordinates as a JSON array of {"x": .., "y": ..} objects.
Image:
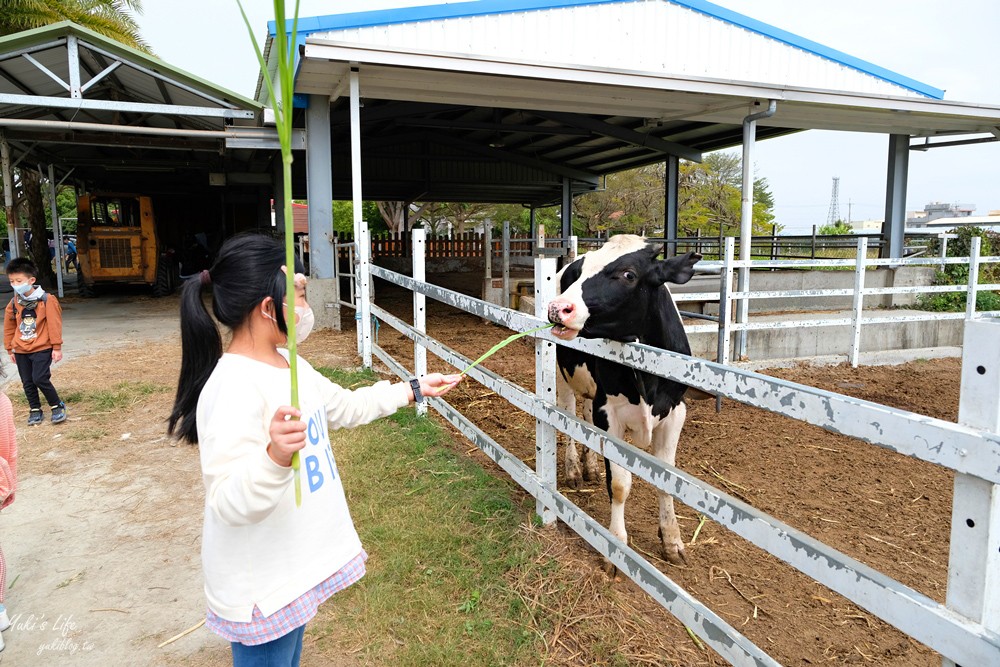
[{"x": 415, "y": 386}]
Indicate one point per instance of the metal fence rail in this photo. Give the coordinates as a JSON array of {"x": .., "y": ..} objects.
[
  {"x": 974, "y": 452},
  {"x": 728, "y": 297}
]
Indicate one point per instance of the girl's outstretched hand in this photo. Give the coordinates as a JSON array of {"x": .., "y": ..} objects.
[
  {"x": 436, "y": 384},
  {"x": 288, "y": 435}
]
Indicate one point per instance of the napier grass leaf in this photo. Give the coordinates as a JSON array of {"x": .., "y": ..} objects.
[
  {"x": 282, "y": 107},
  {"x": 502, "y": 344}
]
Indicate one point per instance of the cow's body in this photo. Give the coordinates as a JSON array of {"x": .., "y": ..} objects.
[{"x": 618, "y": 292}]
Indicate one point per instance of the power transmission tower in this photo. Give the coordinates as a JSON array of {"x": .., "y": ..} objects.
[{"x": 834, "y": 215}]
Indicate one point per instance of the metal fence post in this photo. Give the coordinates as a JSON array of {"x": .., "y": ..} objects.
[
  {"x": 859, "y": 299},
  {"x": 363, "y": 298},
  {"x": 725, "y": 308},
  {"x": 970, "y": 300},
  {"x": 545, "y": 383},
  {"x": 974, "y": 563},
  {"x": 506, "y": 264},
  {"x": 419, "y": 310}
]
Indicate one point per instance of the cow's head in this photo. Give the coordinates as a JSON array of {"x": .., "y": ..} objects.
[{"x": 608, "y": 293}]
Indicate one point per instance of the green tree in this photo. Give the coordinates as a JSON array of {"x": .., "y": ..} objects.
[
  {"x": 839, "y": 227},
  {"x": 111, "y": 18},
  {"x": 958, "y": 274},
  {"x": 631, "y": 202},
  {"x": 343, "y": 216},
  {"x": 710, "y": 197}
]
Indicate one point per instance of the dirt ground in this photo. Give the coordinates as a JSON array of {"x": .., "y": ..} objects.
[
  {"x": 102, "y": 543},
  {"x": 887, "y": 511}
]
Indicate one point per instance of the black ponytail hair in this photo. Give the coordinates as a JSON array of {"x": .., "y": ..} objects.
[{"x": 246, "y": 271}]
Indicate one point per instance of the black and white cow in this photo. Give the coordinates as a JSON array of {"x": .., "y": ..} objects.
[{"x": 618, "y": 292}]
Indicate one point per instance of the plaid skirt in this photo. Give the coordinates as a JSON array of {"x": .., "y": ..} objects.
[{"x": 261, "y": 629}]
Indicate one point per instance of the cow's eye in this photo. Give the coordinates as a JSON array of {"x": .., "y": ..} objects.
[{"x": 629, "y": 275}]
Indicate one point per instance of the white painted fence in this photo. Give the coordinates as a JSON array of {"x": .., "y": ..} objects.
[
  {"x": 727, "y": 296},
  {"x": 966, "y": 631}
]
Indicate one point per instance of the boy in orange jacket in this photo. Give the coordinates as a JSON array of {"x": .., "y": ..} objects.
[{"x": 32, "y": 336}]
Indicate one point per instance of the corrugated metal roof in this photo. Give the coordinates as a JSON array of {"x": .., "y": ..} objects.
[
  {"x": 132, "y": 122},
  {"x": 687, "y": 37},
  {"x": 563, "y": 89}
]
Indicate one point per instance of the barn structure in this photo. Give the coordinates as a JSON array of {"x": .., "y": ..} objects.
[
  {"x": 96, "y": 114},
  {"x": 531, "y": 101}
]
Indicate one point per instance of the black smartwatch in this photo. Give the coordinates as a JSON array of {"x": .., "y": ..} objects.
[{"x": 415, "y": 385}]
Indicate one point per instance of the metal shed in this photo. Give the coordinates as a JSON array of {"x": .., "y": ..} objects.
[
  {"x": 113, "y": 118},
  {"x": 531, "y": 101}
]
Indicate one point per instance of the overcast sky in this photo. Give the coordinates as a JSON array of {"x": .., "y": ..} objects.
[{"x": 948, "y": 45}]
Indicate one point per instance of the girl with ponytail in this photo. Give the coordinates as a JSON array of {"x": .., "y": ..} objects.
[{"x": 267, "y": 563}]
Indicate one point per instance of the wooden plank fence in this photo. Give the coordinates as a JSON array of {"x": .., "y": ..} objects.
[{"x": 469, "y": 244}]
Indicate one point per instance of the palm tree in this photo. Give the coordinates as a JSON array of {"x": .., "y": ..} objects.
[{"x": 111, "y": 18}]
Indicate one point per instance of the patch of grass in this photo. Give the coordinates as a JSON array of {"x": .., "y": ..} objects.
[
  {"x": 75, "y": 396},
  {"x": 122, "y": 395},
  {"x": 443, "y": 537},
  {"x": 88, "y": 433}
]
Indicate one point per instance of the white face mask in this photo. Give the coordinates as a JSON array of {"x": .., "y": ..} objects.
[
  {"x": 305, "y": 324},
  {"x": 304, "y": 321}
]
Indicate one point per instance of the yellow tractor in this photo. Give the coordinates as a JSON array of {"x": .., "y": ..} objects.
[{"x": 117, "y": 243}]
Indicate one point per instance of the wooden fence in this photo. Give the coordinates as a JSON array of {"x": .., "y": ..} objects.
[{"x": 469, "y": 244}]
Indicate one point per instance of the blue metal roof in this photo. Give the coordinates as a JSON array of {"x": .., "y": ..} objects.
[{"x": 480, "y": 7}]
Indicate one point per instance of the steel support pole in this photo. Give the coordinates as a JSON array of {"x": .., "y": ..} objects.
[
  {"x": 566, "y": 212},
  {"x": 974, "y": 563},
  {"x": 671, "y": 183},
  {"x": 746, "y": 220},
  {"x": 894, "y": 225},
  {"x": 319, "y": 187},
  {"x": 73, "y": 56},
  {"x": 419, "y": 237},
  {"x": 361, "y": 234}
]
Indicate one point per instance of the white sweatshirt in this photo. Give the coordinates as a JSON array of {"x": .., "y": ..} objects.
[{"x": 258, "y": 548}]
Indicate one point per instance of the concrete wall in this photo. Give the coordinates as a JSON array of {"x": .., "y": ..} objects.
[{"x": 802, "y": 342}]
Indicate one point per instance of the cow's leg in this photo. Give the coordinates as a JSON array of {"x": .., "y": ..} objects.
[
  {"x": 591, "y": 459},
  {"x": 566, "y": 399},
  {"x": 665, "y": 437},
  {"x": 619, "y": 482},
  {"x": 619, "y": 486}
]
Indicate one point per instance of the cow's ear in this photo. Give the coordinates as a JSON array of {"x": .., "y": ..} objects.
[
  {"x": 569, "y": 274},
  {"x": 677, "y": 270}
]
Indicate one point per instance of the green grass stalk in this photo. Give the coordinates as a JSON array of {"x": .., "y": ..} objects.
[{"x": 282, "y": 106}]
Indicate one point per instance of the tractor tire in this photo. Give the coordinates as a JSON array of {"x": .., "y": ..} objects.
[
  {"x": 83, "y": 289},
  {"x": 164, "y": 285}
]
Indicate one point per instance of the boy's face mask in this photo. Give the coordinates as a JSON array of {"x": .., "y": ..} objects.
[{"x": 23, "y": 288}]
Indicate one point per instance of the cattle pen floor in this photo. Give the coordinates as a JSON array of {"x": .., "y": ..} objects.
[{"x": 888, "y": 511}]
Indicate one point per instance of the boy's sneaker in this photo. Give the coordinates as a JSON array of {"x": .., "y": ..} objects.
[
  {"x": 34, "y": 418},
  {"x": 58, "y": 413},
  {"x": 4, "y": 620}
]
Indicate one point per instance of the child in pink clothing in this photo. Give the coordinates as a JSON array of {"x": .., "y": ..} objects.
[{"x": 8, "y": 484}]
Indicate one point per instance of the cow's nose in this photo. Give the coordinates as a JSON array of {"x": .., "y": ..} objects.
[{"x": 560, "y": 311}]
